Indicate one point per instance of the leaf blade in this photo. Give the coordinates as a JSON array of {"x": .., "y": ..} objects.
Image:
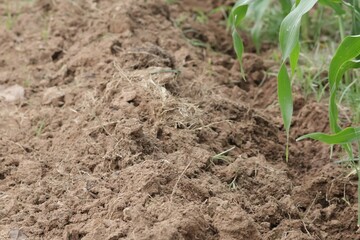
[
  {"x": 285, "y": 102},
  {"x": 290, "y": 27},
  {"x": 345, "y": 136},
  {"x": 343, "y": 60}
]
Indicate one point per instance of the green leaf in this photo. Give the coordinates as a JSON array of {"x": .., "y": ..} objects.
[
  {"x": 294, "y": 58},
  {"x": 238, "y": 45},
  {"x": 290, "y": 27},
  {"x": 345, "y": 136},
  {"x": 290, "y": 47},
  {"x": 285, "y": 101},
  {"x": 238, "y": 12},
  {"x": 258, "y": 9},
  {"x": 286, "y": 6},
  {"x": 335, "y": 5},
  {"x": 343, "y": 60},
  {"x": 348, "y": 50}
]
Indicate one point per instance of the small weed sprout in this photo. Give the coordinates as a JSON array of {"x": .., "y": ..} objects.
[
  {"x": 10, "y": 21},
  {"x": 233, "y": 185},
  {"x": 222, "y": 156},
  {"x": 40, "y": 128}
]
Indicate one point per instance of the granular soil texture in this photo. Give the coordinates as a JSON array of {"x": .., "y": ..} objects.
[{"x": 127, "y": 107}]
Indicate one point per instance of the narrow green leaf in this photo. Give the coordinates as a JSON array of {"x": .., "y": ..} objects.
[
  {"x": 294, "y": 58},
  {"x": 290, "y": 47},
  {"x": 335, "y": 5},
  {"x": 258, "y": 8},
  {"x": 285, "y": 96},
  {"x": 290, "y": 27},
  {"x": 355, "y": 9},
  {"x": 286, "y": 6},
  {"x": 238, "y": 45},
  {"x": 285, "y": 101},
  {"x": 343, "y": 60},
  {"x": 345, "y": 136},
  {"x": 349, "y": 49},
  {"x": 333, "y": 108},
  {"x": 240, "y": 3},
  {"x": 239, "y": 11}
]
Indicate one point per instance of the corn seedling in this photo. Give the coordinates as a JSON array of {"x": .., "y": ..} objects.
[
  {"x": 289, "y": 35},
  {"x": 346, "y": 58},
  {"x": 258, "y": 8}
]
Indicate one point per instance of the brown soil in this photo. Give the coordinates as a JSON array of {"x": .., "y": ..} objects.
[{"x": 123, "y": 113}]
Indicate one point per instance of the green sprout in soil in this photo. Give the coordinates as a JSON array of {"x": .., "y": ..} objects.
[
  {"x": 40, "y": 128},
  {"x": 233, "y": 185},
  {"x": 345, "y": 60},
  {"x": 10, "y": 21},
  {"x": 222, "y": 156}
]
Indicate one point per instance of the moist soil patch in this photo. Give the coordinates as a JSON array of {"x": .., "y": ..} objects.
[{"x": 126, "y": 104}]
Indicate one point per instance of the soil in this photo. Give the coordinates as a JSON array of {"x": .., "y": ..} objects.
[{"x": 127, "y": 103}]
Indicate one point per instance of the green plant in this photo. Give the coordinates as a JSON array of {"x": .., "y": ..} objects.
[
  {"x": 311, "y": 76},
  {"x": 171, "y": 1},
  {"x": 200, "y": 16},
  {"x": 351, "y": 96},
  {"x": 289, "y": 35},
  {"x": 290, "y": 47},
  {"x": 258, "y": 8},
  {"x": 10, "y": 21},
  {"x": 222, "y": 156},
  {"x": 346, "y": 58},
  {"x": 40, "y": 127}
]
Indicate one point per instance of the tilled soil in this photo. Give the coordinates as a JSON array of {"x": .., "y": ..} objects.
[{"x": 127, "y": 106}]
